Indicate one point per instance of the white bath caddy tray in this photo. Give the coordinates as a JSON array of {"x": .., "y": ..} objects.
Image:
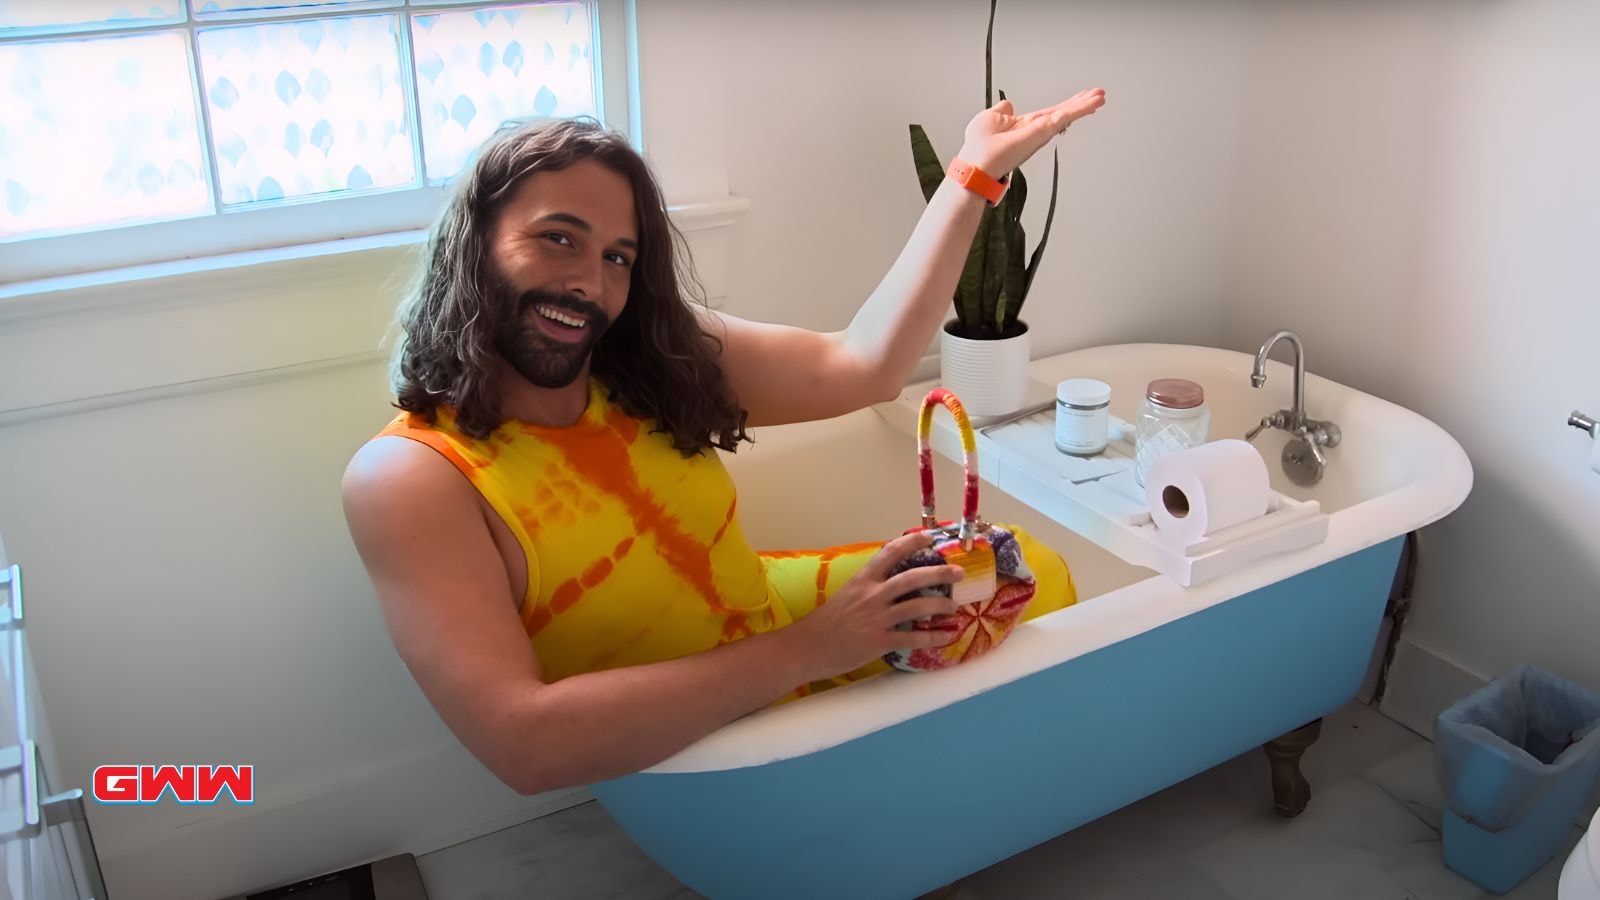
[{"x": 1097, "y": 497}]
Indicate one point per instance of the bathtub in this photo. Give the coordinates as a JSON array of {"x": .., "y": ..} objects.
[{"x": 895, "y": 786}]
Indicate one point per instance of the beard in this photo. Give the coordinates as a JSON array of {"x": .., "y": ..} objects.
[{"x": 544, "y": 361}]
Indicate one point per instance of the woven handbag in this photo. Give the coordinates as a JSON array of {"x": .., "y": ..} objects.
[{"x": 998, "y": 583}]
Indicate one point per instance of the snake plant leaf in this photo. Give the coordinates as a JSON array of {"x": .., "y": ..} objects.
[
  {"x": 929, "y": 172},
  {"x": 1016, "y": 289},
  {"x": 988, "y": 61},
  {"x": 1049, "y": 216},
  {"x": 969, "y": 290},
  {"x": 994, "y": 272},
  {"x": 1013, "y": 271},
  {"x": 1016, "y": 194},
  {"x": 1014, "y": 262}
]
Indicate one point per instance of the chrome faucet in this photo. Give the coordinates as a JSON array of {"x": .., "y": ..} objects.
[
  {"x": 1258, "y": 376},
  {"x": 1303, "y": 458}
]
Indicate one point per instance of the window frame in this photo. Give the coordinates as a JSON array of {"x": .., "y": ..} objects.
[{"x": 286, "y": 224}]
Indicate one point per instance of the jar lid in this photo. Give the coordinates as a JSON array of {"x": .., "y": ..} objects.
[
  {"x": 1083, "y": 392},
  {"x": 1176, "y": 393}
]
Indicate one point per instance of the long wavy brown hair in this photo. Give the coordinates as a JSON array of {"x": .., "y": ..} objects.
[{"x": 656, "y": 360}]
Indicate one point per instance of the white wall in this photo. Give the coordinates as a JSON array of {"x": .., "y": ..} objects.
[
  {"x": 172, "y": 446},
  {"x": 1421, "y": 202},
  {"x": 819, "y": 113}
]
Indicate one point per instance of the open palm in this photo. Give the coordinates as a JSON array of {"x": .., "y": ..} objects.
[{"x": 998, "y": 139}]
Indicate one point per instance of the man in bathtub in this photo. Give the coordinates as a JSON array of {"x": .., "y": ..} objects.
[{"x": 547, "y": 524}]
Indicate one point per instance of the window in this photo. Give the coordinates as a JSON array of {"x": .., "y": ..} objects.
[{"x": 141, "y": 130}]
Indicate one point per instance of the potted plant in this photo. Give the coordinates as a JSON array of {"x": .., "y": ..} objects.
[{"x": 983, "y": 351}]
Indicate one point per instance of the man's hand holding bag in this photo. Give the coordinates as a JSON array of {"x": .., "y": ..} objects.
[{"x": 998, "y": 583}]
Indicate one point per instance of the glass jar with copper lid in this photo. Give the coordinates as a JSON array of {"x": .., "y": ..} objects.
[{"x": 1173, "y": 416}]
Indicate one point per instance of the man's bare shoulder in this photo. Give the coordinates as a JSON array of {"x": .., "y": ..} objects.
[{"x": 394, "y": 474}]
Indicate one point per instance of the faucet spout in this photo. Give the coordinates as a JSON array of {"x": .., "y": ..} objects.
[{"x": 1258, "y": 376}]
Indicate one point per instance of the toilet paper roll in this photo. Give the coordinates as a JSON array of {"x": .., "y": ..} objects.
[
  {"x": 1594, "y": 456},
  {"x": 1197, "y": 492}
]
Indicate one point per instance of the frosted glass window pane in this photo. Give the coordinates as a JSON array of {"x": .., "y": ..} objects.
[
  {"x": 203, "y": 8},
  {"x": 96, "y": 131},
  {"x": 475, "y": 70},
  {"x": 300, "y": 108},
  {"x": 17, "y": 14}
]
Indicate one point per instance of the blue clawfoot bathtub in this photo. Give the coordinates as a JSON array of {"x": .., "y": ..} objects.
[{"x": 895, "y": 786}]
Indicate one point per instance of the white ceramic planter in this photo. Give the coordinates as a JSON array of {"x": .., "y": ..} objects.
[{"x": 989, "y": 377}]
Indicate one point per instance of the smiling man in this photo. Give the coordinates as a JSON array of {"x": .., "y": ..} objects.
[{"x": 547, "y": 524}]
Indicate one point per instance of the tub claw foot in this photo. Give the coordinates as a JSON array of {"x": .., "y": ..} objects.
[{"x": 1290, "y": 790}]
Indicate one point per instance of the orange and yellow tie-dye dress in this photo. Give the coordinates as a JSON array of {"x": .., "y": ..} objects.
[{"x": 634, "y": 552}]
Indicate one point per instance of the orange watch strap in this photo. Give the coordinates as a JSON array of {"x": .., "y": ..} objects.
[{"x": 977, "y": 180}]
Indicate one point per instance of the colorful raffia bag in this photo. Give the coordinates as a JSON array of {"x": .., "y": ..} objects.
[{"x": 998, "y": 583}]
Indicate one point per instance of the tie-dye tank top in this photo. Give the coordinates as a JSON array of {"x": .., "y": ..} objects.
[{"x": 634, "y": 552}]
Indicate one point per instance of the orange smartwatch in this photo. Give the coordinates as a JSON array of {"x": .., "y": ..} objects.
[{"x": 978, "y": 181}]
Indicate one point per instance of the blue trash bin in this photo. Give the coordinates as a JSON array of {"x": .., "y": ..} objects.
[{"x": 1517, "y": 760}]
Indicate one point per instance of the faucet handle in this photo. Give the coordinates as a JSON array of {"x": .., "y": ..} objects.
[
  {"x": 1322, "y": 434},
  {"x": 1314, "y": 444},
  {"x": 1279, "y": 419}
]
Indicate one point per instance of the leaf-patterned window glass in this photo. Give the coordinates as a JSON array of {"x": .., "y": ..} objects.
[
  {"x": 434, "y": 81},
  {"x": 204, "y": 9},
  {"x": 77, "y": 15},
  {"x": 98, "y": 131},
  {"x": 308, "y": 107},
  {"x": 476, "y": 69}
]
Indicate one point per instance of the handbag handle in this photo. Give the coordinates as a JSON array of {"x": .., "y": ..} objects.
[{"x": 969, "y": 448}]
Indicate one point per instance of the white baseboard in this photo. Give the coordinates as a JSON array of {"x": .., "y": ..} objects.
[
  {"x": 1422, "y": 684},
  {"x": 537, "y": 807},
  {"x": 414, "y": 803}
]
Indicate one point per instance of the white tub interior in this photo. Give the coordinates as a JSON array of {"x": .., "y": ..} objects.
[
  {"x": 854, "y": 478},
  {"x": 1384, "y": 447}
]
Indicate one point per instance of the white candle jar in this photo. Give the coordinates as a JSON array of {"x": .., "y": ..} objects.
[{"x": 1083, "y": 416}]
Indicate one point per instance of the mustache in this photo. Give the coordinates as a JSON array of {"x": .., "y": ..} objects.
[{"x": 564, "y": 302}]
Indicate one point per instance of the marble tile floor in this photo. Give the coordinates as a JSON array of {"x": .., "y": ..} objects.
[{"x": 1371, "y": 833}]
